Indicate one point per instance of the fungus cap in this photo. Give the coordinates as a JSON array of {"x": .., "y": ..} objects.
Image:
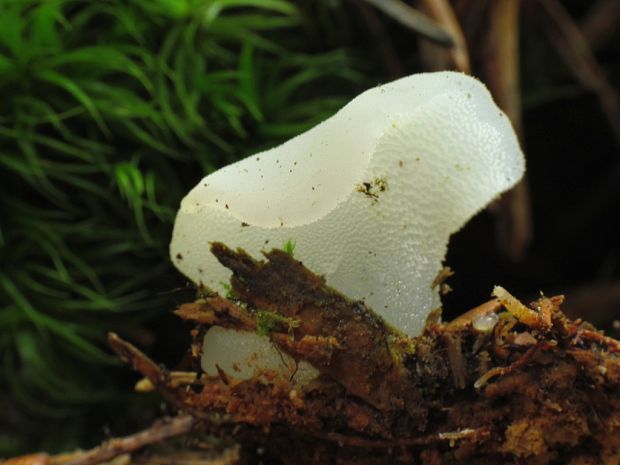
[{"x": 370, "y": 196}]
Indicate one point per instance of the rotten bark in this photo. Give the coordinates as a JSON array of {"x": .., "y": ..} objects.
[
  {"x": 460, "y": 393},
  {"x": 160, "y": 431},
  {"x": 362, "y": 357},
  {"x": 456, "y": 372}
]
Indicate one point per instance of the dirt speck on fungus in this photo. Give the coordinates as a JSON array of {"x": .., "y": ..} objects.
[{"x": 372, "y": 189}]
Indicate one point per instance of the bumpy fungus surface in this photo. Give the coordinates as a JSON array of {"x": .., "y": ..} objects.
[{"x": 370, "y": 196}]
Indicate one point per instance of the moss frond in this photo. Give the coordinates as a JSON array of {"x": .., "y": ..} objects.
[{"x": 110, "y": 111}]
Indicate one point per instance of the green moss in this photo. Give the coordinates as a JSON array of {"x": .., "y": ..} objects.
[
  {"x": 267, "y": 322},
  {"x": 230, "y": 292},
  {"x": 110, "y": 111},
  {"x": 289, "y": 247}
]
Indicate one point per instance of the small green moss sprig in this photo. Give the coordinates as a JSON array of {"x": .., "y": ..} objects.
[
  {"x": 289, "y": 247},
  {"x": 266, "y": 322},
  {"x": 230, "y": 292}
]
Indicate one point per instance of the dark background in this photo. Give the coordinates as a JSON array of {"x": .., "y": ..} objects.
[{"x": 111, "y": 111}]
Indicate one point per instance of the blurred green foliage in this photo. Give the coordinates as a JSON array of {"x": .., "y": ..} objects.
[{"x": 110, "y": 111}]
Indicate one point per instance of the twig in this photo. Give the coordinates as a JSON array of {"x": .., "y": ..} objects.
[
  {"x": 535, "y": 319},
  {"x": 594, "y": 336},
  {"x": 502, "y": 371},
  {"x": 501, "y": 71},
  {"x": 601, "y": 22},
  {"x": 501, "y": 58},
  {"x": 468, "y": 318},
  {"x": 158, "y": 376},
  {"x": 382, "y": 39},
  {"x": 162, "y": 429},
  {"x": 217, "y": 311},
  {"x": 575, "y": 50},
  {"x": 30, "y": 459},
  {"x": 414, "y": 20},
  {"x": 443, "y": 14},
  {"x": 177, "y": 378}
]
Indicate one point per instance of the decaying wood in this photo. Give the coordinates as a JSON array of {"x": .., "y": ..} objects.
[
  {"x": 218, "y": 311},
  {"x": 384, "y": 397},
  {"x": 161, "y": 430},
  {"x": 503, "y": 383},
  {"x": 363, "y": 358},
  {"x": 177, "y": 379},
  {"x": 539, "y": 318},
  {"x": 466, "y": 319},
  {"x": 148, "y": 368}
]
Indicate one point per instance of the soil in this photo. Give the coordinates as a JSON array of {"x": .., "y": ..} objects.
[{"x": 505, "y": 383}]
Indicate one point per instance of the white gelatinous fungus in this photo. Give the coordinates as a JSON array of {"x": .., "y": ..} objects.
[
  {"x": 370, "y": 196},
  {"x": 243, "y": 355}
]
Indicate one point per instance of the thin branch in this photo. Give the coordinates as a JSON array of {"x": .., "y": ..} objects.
[
  {"x": 467, "y": 318},
  {"x": 501, "y": 58},
  {"x": 177, "y": 378},
  {"x": 158, "y": 376},
  {"x": 414, "y": 20},
  {"x": 160, "y": 430},
  {"x": 501, "y": 71},
  {"x": 382, "y": 39},
  {"x": 601, "y": 22},
  {"x": 441, "y": 11},
  {"x": 571, "y": 44}
]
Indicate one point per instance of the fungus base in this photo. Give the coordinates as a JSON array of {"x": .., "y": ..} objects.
[{"x": 504, "y": 383}]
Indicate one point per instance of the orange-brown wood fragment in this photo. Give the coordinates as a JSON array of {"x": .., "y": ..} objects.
[
  {"x": 217, "y": 311},
  {"x": 367, "y": 365},
  {"x": 473, "y": 386}
]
